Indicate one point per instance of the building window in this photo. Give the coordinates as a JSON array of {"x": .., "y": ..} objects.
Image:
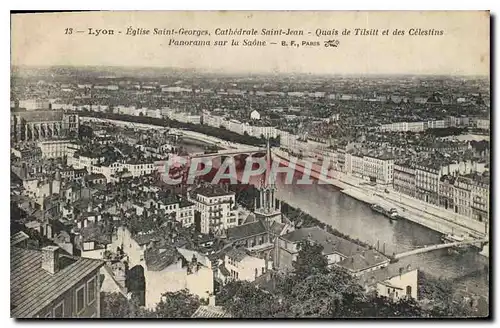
[
  {"x": 91, "y": 287},
  {"x": 80, "y": 299},
  {"x": 59, "y": 310},
  {"x": 408, "y": 290}
]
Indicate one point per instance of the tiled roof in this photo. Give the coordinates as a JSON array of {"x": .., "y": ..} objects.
[
  {"x": 277, "y": 228},
  {"x": 188, "y": 255},
  {"x": 168, "y": 198},
  {"x": 95, "y": 233},
  {"x": 236, "y": 254},
  {"x": 157, "y": 260},
  {"x": 212, "y": 191},
  {"x": 480, "y": 178},
  {"x": 18, "y": 237},
  {"x": 185, "y": 203},
  {"x": 32, "y": 288},
  {"x": 143, "y": 239},
  {"x": 331, "y": 243},
  {"x": 246, "y": 230},
  {"x": 95, "y": 176},
  {"x": 363, "y": 261},
  {"x": 209, "y": 311},
  {"x": 250, "y": 218},
  {"x": 380, "y": 275}
]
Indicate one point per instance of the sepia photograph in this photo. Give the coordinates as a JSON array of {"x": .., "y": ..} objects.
[{"x": 250, "y": 165}]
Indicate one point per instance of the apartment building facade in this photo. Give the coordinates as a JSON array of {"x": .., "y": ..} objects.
[
  {"x": 216, "y": 207},
  {"x": 47, "y": 284}
]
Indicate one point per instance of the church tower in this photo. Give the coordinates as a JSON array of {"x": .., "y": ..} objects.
[{"x": 268, "y": 208}]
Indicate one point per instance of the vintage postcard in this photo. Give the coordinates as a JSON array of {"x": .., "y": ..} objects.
[{"x": 251, "y": 164}]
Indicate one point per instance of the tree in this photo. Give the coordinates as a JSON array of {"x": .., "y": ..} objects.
[
  {"x": 310, "y": 260},
  {"x": 115, "y": 305},
  {"x": 179, "y": 304},
  {"x": 244, "y": 300},
  {"x": 314, "y": 297},
  {"x": 439, "y": 294},
  {"x": 334, "y": 293},
  {"x": 173, "y": 305},
  {"x": 376, "y": 306}
]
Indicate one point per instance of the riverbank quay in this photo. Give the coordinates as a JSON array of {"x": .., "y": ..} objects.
[
  {"x": 425, "y": 214},
  {"x": 202, "y": 131},
  {"x": 189, "y": 135}
]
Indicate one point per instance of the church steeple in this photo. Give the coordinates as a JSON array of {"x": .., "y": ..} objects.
[
  {"x": 267, "y": 192},
  {"x": 268, "y": 179}
]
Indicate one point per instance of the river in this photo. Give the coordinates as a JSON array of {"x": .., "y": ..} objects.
[{"x": 356, "y": 219}]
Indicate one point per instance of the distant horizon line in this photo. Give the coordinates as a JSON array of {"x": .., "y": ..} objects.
[{"x": 224, "y": 72}]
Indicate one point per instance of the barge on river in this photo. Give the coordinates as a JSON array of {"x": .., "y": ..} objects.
[{"x": 391, "y": 214}]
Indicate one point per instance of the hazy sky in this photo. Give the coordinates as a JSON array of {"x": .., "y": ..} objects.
[{"x": 40, "y": 40}]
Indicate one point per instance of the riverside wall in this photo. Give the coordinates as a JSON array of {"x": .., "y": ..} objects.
[{"x": 411, "y": 209}]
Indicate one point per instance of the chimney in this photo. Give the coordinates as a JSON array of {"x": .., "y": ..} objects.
[
  {"x": 211, "y": 300},
  {"x": 50, "y": 259}
]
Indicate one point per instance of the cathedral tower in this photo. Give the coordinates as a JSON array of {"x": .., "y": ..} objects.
[{"x": 267, "y": 207}]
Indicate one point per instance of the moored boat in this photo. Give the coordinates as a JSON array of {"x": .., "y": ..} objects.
[
  {"x": 391, "y": 214},
  {"x": 452, "y": 238},
  {"x": 378, "y": 209}
]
